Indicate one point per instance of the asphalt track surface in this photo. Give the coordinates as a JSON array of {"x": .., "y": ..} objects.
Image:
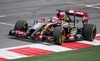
[{"x": 13, "y": 10}]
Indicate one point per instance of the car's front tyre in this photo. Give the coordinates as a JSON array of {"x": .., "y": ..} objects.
[
  {"x": 59, "y": 35},
  {"x": 21, "y": 25}
]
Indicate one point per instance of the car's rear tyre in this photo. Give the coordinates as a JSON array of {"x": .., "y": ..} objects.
[
  {"x": 21, "y": 25},
  {"x": 89, "y": 32},
  {"x": 59, "y": 35}
]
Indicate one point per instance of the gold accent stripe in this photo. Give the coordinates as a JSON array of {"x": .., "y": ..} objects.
[{"x": 76, "y": 3}]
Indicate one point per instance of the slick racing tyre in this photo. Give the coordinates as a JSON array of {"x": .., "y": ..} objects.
[
  {"x": 89, "y": 32},
  {"x": 21, "y": 25},
  {"x": 59, "y": 35}
]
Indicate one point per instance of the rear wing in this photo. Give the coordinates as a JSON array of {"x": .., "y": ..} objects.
[{"x": 84, "y": 15}]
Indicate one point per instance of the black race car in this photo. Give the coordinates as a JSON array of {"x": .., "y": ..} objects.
[{"x": 65, "y": 29}]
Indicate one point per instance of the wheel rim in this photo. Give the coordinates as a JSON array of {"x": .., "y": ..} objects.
[
  {"x": 62, "y": 36},
  {"x": 25, "y": 25},
  {"x": 93, "y": 33}
]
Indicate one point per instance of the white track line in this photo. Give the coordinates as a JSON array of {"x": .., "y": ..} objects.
[
  {"x": 86, "y": 5},
  {"x": 2, "y": 16},
  {"x": 95, "y": 4},
  {"x": 92, "y": 6},
  {"x": 6, "y": 24}
]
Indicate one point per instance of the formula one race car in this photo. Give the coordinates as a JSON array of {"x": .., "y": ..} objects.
[{"x": 57, "y": 32}]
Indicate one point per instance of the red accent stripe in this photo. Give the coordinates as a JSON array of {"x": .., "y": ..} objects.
[
  {"x": 76, "y": 45},
  {"x": 30, "y": 51},
  {"x": 2, "y": 59},
  {"x": 97, "y": 38}
]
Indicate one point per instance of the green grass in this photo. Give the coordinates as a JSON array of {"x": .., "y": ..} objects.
[{"x": 87, "y": 54}]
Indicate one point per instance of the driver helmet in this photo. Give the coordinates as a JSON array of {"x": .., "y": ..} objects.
[
  {"x": 42, "y": 20},
  {"x": 54, "y": 19},
  {"x": 61, "y": 15}
]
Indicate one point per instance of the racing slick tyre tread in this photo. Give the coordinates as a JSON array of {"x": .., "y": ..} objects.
[
  {"x": 89, "y": 32},
  {"x": 57, "y": 34},
  {"x": 21, "y": 25}
]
